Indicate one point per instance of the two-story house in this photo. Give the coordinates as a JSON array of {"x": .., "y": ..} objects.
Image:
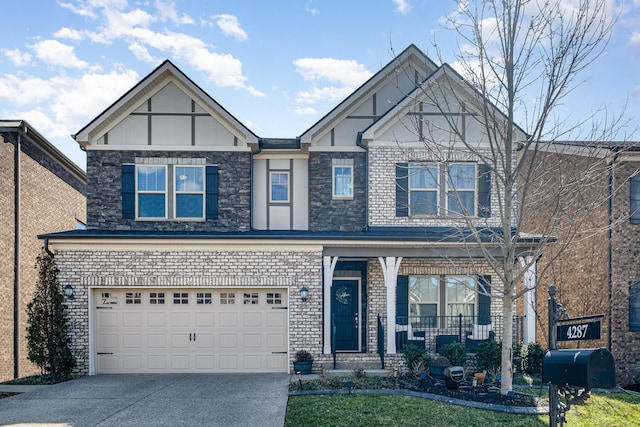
[
  {"x": 211, "y": 249},
  {"x": 41, "y": 191},
  {"x": 594, "y": 264}
]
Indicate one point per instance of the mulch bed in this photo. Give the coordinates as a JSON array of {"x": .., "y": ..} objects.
[{"x": 486, "y": 393}]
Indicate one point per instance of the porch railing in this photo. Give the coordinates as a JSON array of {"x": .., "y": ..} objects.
[{"x": 434, "y": 332}]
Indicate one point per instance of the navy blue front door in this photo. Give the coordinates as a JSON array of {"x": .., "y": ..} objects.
[{"x": 344, "y": 303}]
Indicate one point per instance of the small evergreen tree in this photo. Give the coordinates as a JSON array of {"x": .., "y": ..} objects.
[{"x": 48, "y": 324}]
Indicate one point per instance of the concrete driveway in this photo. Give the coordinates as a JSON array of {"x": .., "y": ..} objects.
[{"x": 153, "y": 400}]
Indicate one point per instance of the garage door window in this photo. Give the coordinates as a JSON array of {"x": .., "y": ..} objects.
[
  {"x": 251, "y": 298},
  {"x": 274, "y": 298},
  {"x": 133, "y": 298},
  {"x": 156, "y": 298},
  {"x": 203, "y": 298},
  {"x": 227, "y": 298},
  {"x": 180, "y": 298},
  {"x": 108, "y": 298}
]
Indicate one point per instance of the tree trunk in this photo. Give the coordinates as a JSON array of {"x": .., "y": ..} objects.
[{"x": 506, "y": 370}]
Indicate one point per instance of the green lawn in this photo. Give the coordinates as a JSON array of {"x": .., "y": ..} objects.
[{"x": 615, "y": 409}]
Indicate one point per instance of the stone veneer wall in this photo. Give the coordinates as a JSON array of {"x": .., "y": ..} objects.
[
  {"x": 104, "y": 191},
  {"x": 176, "y": 268},
  {"x": 326, "y": 214},
  {"x": 382, "y": 178}
]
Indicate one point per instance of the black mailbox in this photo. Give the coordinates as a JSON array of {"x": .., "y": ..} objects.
[{"x": 588, "y": 368}]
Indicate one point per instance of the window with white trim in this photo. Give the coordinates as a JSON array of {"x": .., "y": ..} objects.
[
  {"x": 461, "y": 189},
  {"x": 443, "y": 189},
  {"x": 423, "y": 299},
  {"x": 189, "y": 192},
  {"x": 342, "y": 187},
  {"x": 151, "y": 185},
  {"x": 170, "y": 191},
  {"x": 279, "y": 187},
  {"x": 423, "y": 188},
  {"x": 433, "y": 296}
]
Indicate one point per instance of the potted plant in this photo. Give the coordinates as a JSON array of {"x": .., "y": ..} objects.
[
  {"x": 303, "y": 362},
  {"x": 438, "y": 366}
]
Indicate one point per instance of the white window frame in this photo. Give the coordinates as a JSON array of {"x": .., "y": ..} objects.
[
  {"x": 436, "y": 302},
  {"x": 442, "y": 303},
  {"x": 202, "y": 193},
  {"x": 435, "y": 189},
  {"x": 447, "y": 303},
  {"x": 450, "y": 188},
  {"x": 333, "y": 183},
  {"x": 271, "y": 183},
  {"x": 138, "y": 192}
]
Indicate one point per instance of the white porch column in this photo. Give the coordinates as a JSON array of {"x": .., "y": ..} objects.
[
  {"x": 529, "y": 280},
  {"x": 390, "y": 267},
  {"x": 328, "y": 266}
]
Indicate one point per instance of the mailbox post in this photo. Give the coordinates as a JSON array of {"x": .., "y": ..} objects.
[
  {"x": 564, "y": 370},
  {"x": 555, "y": 414}
]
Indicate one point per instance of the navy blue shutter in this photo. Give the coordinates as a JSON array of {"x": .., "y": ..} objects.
[
  {"x": 634, "y": 200},
  {"x": 484, "y": 300},
  {"x": 484, "y": 191},
  {"x": 402, "y": 189},
  {"x": 402, "y": 300},
  {"x": 128, "y": 191},
  {"x": 212, "y": 192}
]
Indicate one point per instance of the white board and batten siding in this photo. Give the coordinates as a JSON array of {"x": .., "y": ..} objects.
[{"x": 190, "y": 330}]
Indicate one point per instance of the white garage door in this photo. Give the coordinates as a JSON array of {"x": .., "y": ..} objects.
[{"x": 190, "y": 330}]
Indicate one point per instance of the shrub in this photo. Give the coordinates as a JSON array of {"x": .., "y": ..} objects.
[
  {"x": 489, "y": 356},
  {"x": 416, "y": 359},
  {"x": 304, "y": 356},
  {"x": 455, "y": 352},
  {"x": 532, "y": 356},
  {"x": 48, "y": 323}
]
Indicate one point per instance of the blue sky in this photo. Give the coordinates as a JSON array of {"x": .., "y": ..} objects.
[{"x": 278, "y": 66}]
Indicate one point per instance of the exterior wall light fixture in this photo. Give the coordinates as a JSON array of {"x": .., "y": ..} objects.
[
  {"x": 68, "y": 291},
  {"x": 304, "y": 294}
]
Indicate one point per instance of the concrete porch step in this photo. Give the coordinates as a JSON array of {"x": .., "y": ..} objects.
[{"x": 367, "y": 365}]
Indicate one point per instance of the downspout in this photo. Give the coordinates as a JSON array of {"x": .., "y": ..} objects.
[
  {"x": 610, "y": 166},
  {"x": 16, "y": 253},
  {"x": 366, "y": 180}
]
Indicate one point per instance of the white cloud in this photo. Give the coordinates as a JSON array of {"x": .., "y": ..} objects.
[
  {"x": 402, "y": 6},
  {"x": 168, "y": 11},
  {"x": 332, "y": 80},
  {"x": 61, "y": 105},
  {"x": 68, "y": 33},
  {"x": 230, "y": 26},
  {"x": 17, "y": 57},
  {"x": 142, "y": 53},
  {"x": 305, "y": 111},
  {"x": 345, "y": 71},
  {"x": 323, "y": 94},
  {"x": 634, "y": 44},
  {"x": 55, "y": 53}
]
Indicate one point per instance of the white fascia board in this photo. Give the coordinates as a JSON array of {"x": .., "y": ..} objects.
[
  {"x": 356, "y": 98},
  {"x": 149, "y": 86},
  {"x": 228, "y": 148},
  {"x": 336, "y": 149}
]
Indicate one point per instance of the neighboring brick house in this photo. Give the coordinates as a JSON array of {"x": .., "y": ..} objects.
[
  {"x": 210, "y": 249},
  {"x": 41, "y": 191},
  {"x": 598, "y": 272}
]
